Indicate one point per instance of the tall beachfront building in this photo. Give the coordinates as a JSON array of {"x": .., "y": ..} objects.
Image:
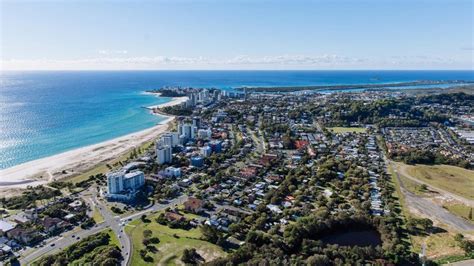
[
  {"x": 170, "y": 139},
  {"x": 122, "y": 185},
  {"x": 187, "y": 131},
  {"x": 163, "y": 153},
  {"x": 134, "y": 180},
  {"x": 164, "y": 147},
  {"x": 115, "y": 182}
]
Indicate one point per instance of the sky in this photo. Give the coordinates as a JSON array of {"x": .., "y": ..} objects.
[{"x": 337, "y": 34}]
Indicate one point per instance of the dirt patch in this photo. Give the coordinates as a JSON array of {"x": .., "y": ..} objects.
[{"x": 208, "y": 255}]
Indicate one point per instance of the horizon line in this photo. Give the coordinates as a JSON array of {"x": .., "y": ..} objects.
[{"x": 176, "y": 70}]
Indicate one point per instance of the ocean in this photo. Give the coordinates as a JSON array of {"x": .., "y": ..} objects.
[{"x": 48, "y": 112}]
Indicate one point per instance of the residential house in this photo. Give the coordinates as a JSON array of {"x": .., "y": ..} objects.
[{"x": 193, "y": 205}]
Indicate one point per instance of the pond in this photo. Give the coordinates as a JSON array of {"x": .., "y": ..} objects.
[{"x": 354, "y": 238}]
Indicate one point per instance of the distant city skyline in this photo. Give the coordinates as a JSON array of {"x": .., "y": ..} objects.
[{"x": 229, "y": 35}]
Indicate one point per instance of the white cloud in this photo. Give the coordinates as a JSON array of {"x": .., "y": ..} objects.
[
  {"x": 113, "y": 52},
  {"x": 325, "y": 61},
  {"x": 294, "y": 60}
]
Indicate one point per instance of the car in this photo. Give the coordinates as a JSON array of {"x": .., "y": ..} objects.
[
  {"x": 73, "y": 236},
  {"x": 78, "y": 238},
  {"x": 52, "y": 245}
]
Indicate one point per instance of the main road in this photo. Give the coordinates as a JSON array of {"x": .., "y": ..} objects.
[{"x": 58, "y": 243}]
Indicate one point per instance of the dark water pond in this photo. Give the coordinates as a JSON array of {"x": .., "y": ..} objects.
[{"x": 354, "y": 238}]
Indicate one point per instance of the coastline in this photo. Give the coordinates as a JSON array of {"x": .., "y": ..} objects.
[
  {"x": 174, "y": 101},
  {"x": 73, "y": 162}
]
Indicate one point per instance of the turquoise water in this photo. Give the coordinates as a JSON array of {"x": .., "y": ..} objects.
[{"x": 45, "y": 113}]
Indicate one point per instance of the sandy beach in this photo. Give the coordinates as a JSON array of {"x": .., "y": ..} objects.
[
  {"x": 174, "y": 101},
  {"x": 73, "y": 162}
]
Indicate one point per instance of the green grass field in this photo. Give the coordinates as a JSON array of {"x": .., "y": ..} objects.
[
  {"x": 438, "y": 246},
  {"x": 113, "y": 238},
  {"x": 347, "y": 129},
  {"x": 460, "y": 210},
  {"x": 172, "y": 243},
  {"x": 398, "y": 193},
  {"x": 413, "y": 187},
  {"x": 454, "y": 179},
  {"x": 97, "y": 216}
]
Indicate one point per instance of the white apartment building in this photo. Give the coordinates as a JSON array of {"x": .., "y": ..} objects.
[
  {"x": 122, "y": 185},
  {"x": 163, "y": 153}
]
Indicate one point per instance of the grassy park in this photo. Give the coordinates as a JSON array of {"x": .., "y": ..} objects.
[{"x": 172, "y": 243}]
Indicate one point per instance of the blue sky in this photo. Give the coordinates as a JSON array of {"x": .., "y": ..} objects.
[{"x": 378, "y": 34}]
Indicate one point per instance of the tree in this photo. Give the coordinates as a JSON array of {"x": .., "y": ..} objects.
[
  {"x": 143, "y": 253},
  {"x": 145, "y": 219},
  {"x": 426, "y": 224},
  {"x": 190, "y": 256},
  {"x": 318, "y": 260},
  {"x": 467, "y": 246},
  {"x": 147, "y": 233},
  {"x": 210, "y": 233}
]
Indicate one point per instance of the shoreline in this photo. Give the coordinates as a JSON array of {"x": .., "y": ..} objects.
[
  {"x": 44, "y": 170},
  {"x": 174, "y": 101}
]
